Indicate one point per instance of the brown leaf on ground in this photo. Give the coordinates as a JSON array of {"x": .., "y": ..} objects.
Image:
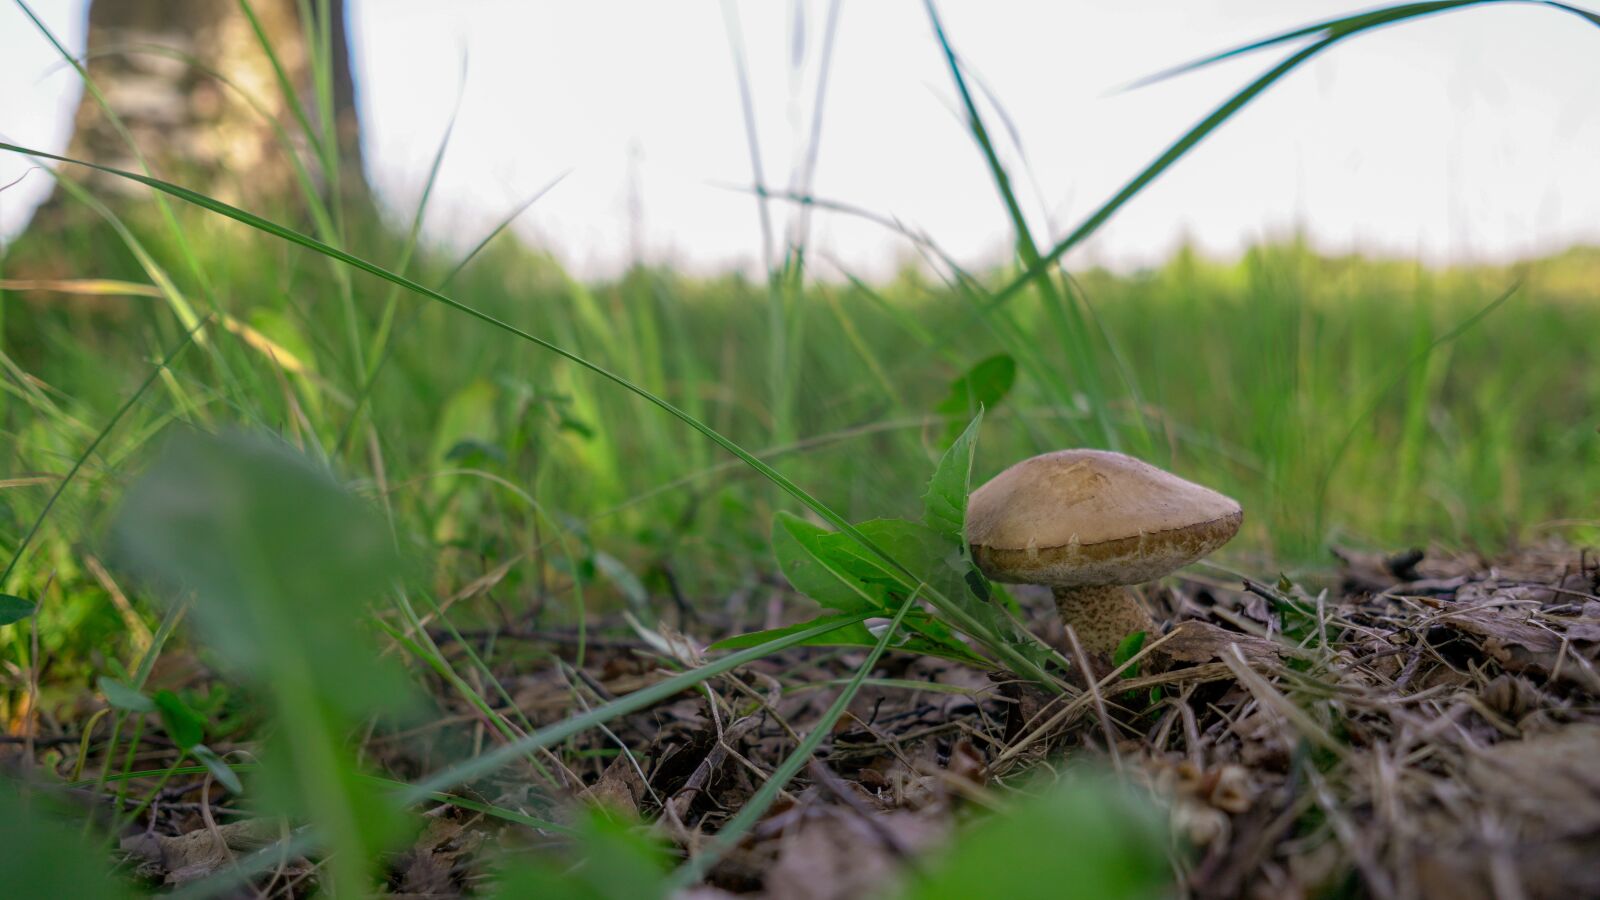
[
  {"x": 1586, "y": 627},
  {"x": 188, "y": 857},
  {"x": 619, "y": 788},
  {"x": 838, "y": 854},
  {"x": 1537, "y": 831},
  {"x": 1194, "y": 641},
  {"x": 429, "y": 868},
  {"x": 1549, "y": 784},
  {"x": 1518, "y": 645}
]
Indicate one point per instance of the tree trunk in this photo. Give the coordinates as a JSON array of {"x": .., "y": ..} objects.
[{"x": 199, "y": 98}]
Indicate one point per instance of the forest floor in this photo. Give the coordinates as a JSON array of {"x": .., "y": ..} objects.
[{"x": 1421, "y": 725}]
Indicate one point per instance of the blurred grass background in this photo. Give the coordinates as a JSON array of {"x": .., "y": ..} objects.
[{"x": 1316, "y": 390}]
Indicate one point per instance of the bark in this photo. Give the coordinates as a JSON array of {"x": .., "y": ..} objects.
[{"x": 182, "y": 106}]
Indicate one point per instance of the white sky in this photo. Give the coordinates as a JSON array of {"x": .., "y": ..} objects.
[{"x": 1468, "y": 135}]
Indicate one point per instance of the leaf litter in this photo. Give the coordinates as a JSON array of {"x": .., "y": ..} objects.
[{"x": 1421, "y": 725}]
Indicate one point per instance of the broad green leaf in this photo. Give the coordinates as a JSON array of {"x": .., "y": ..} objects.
[
  {"x": 1087, "y": 837},
  {"x": 812, "y": 567},
  {"x": 856, "y": 572},
  {"x": 183, "y": 724},
  {"x": 979, "y": 388},
  {"x": 280, "y": 560},
  {"x": 320, "y": 781},
  {"x": 218, "y": 768},
  {"x": 122, "y": 695},
  {"x": 945, "y": 504},
  {"x": 14, "y": 609}
]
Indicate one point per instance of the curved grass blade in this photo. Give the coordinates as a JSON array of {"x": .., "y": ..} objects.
[
  {"x": 1065, "y": 317},
  {"x": 1342, "y": 25}
]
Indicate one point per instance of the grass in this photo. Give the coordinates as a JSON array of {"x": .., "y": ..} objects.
[
  {"x": 1251, "y": 371},
  {"x": 1344, "y": 401}
]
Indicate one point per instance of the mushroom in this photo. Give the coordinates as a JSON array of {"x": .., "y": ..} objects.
[{"x": 1088, "y": 523}]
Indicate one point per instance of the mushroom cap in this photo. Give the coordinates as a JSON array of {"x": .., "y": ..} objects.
[{"x": 1076, "y": 518}]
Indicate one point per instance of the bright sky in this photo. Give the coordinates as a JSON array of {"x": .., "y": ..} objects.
[{"x": 1468, "y": 135}]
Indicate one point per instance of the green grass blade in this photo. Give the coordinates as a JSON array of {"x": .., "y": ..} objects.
[
  {"x": 1066, "y": 319},
  {"x": 1342, "y": 24}
]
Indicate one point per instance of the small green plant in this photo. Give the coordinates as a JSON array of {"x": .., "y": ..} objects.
[
  {"x": 1088, "y": 837},
  {"x": 279, "y": 563},
  {"x": 838, "y": 573}
]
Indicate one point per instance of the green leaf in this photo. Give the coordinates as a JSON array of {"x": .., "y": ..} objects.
[
  {"x": 14, "y": 608},
  {"x": 1126, "y": 650},
  {"x": 849, "y": 572},
  {"x": 1082, "y": 838},
  {"x": 979, "y": 388},
  {"x": 814, "y": 568},
  {"x": 279, "y": 558},
  {"x": 278, "y": 563},
  {"x": 183, "y": 724},
  {"x": 218, "y": 768},
  {"x": 122, "y": 695},
  {"x": 945, "y": 504}
]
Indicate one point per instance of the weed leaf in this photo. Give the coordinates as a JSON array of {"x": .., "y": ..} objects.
[
  {"x": 981, "y": 387},
  {"x": 945, "y": 504},
  {"x": 815, "y": 567},
  {"x": 122, "y": 695},
  {"x": 14, "y": 609},
  {"x": 1116, "y": 849},
  {"x": 183, "y": 724}
]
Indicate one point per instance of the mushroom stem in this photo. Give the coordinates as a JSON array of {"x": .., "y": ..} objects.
[{"x": 1102, "y": 616}]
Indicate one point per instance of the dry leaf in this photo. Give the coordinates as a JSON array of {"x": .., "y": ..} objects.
[
  {"x": 1194, "y": 641},
  {"x": 187, "y": 857},
  {"x": 841, "y": 855},
  {"x": 619, "y": 788},
  {"x": 1520, "y": 646}
]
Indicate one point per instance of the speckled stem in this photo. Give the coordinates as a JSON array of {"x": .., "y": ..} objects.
[{"x": 1103, "y": 616}]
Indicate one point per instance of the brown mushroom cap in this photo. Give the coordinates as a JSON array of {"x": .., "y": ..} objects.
[{"x": 1076, "y": 518}]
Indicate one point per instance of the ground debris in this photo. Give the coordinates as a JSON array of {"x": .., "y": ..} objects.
[
  {"x": 1424, "y": 724},
  {"x": 188, "y": 857}
]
